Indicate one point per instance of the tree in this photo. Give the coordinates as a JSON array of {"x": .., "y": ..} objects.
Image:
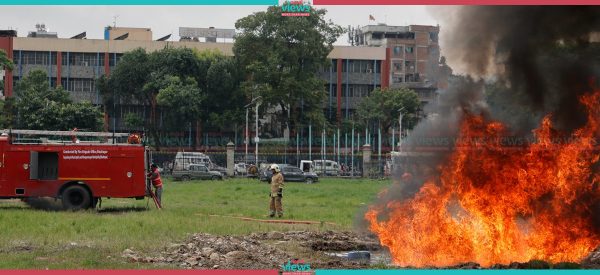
[
  {"x": 176, "y": 96},
  {"x": 6, "y": 112},
  {"x": 280, "y": 56},
  {"x": 227, "y": 100},
  {"x": 383, "y": 107},
  {"x": 42, "y": 107},
  {"x": 139, "y": 77},
  {"x": 5, "y": 64},
  {"x": 176, "y": 81}
]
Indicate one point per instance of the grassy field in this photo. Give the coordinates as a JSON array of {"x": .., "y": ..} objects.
[{"x": 33, "y": 238}]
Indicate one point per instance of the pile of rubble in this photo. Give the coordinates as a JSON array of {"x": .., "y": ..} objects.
[
  {"x": 258, "y": 250},
  {"x": 592, "y": 261},
  {"x": 207, "y": 251}
]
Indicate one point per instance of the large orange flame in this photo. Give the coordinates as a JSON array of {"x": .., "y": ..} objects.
[{"x": 494, "y": 204}]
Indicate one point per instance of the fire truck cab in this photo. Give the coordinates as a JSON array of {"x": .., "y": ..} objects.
[{"x": 77, "y": 172}]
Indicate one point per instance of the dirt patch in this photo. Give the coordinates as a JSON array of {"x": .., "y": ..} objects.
[
  {"x": 325, "y": 241},
  {"x": 18, "y": 246},
  {"x": 259, "y": 250}
]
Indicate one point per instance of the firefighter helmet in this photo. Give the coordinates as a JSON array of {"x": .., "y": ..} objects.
[{"x": 275, "y": 167}]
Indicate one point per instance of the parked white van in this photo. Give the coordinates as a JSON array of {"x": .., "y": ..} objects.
[
  {"x": 184, "y": 159},
  {"x": 326, "y": 167}
]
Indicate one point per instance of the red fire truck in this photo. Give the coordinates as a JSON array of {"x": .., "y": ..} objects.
[{"x": 77, "y": 172}]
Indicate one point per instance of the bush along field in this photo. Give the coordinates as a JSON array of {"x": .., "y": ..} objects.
[{"x": 34, "y": 238}]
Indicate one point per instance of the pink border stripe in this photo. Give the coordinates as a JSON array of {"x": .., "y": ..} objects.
[
  {"x": 139, "y": 272},
  {"x": 456, "y": 2}
]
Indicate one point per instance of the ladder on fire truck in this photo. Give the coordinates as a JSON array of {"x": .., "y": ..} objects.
[{"x": 109, "y": 137}]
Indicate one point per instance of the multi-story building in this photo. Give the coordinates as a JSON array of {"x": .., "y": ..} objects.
[
  {"x": 414, "y": 55},
  {"x": 389, "y": 57}
]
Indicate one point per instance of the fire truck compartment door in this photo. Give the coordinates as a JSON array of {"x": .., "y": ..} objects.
[{"x": 33, "y": 165}]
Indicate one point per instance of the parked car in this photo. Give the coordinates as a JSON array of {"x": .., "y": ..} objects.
[
  {"x": 197, "y": 171},
  {"x": 217, "y": 168},
  {"x": 326, "y": 167},
  {"x": 240, "y": 169},
  {"x": 264, "y": 172},
  {"x": 292, "y": 173}
]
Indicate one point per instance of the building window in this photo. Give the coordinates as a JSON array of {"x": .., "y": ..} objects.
[
  {"x": 16, "y": 59},
  {"x": 38, "y": 58},
  {"x": 369, "y": 66},
  {"x": 83, "y": 59},
  {"x": 409, "y": 66},
  {"x": 53, "y": 57},
  {"x": 397, "y": 66},
  {"x": 114, "y": 59},
  {"x": 397, "y": 51},
  {"x": 366, "y": 92},
  {"x": 397, "y": 79},
  {"x": 80, "y": 85},
  {"x": 410, "y": 49},
  {"x": 433, "y": 36}
]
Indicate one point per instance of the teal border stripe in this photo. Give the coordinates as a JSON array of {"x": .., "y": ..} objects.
[
  {"x": 138, "y": 2},
  {"x": 457, "y": 272}
]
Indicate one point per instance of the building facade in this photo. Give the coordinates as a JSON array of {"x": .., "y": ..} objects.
[
  {"x": 389, "y": 57},
  {"x": 413, "y": 53}
]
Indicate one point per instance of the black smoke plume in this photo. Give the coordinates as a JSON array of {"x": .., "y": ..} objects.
[{"x": 546, "y": 55}]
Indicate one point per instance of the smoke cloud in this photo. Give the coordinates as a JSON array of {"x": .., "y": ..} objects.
[{"x": 542, "y": 53}]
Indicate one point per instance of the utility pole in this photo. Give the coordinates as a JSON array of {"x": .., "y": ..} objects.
[
  {"x": 256, "y": 139},
  {"x": 246, "y": 136},
  {"x": 400, "y": 127}
]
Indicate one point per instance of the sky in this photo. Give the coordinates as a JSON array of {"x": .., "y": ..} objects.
[{"x": 68, "y": 21}]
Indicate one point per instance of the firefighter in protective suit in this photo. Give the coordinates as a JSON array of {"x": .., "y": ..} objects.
[{"x": 276, "y": 191}]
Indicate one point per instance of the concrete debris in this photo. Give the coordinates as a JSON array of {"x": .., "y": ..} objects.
[
  {"x": 258, "y": 250},
  {"x": 592, "y": 260},
  {"x": 217, "y": 252}
]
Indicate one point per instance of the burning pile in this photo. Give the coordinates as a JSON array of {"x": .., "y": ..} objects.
[
  {"x": 493, "y": 204},
  {"x": 490, "y": 203}
]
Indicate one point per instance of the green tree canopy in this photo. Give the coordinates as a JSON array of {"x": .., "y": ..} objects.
[
  {"x": 5, "y": 64},
  {"x": 42, "y": 107},
  {"x": 383, "y": 106},
  {"x": 176, "y": 95},
  {"x": 176, "y": 81},
  {"x": 281, "y": 56}
]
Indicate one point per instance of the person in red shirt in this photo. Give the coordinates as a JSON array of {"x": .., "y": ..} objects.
[{"x": 154, "y": 176}]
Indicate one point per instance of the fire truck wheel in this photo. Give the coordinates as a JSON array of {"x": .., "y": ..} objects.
[{"x": 76, "y": 197}]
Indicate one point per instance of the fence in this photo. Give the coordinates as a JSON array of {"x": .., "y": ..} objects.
[{"x": 349, "y": 165}]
